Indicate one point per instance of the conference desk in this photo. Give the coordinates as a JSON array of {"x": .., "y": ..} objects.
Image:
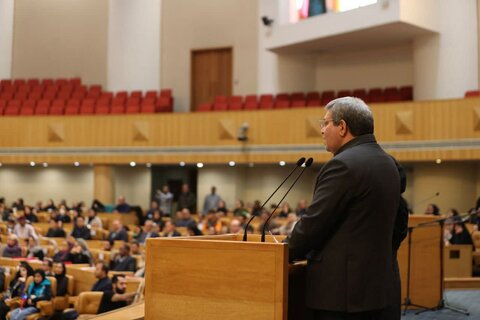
[{"x": 132, "y": 312}]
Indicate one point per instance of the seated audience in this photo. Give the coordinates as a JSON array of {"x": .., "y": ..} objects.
[
  {"x": 34, "y": 250},
  {"x": 116, "y": 297},
  {"x": 97, "y": 206},
  {"x": 18, "y": 205},
  {"x": 240, "y": 209},
  {"x": 147, "y": 232},
  {"x": 122, "y": 205},
  {"x": 47, "y": 266},
  {"x": 135, "y": 248},
  {"x": 108, "y": 245},
  {"x": 29, "y": 215},
  {"x": 153, "y": 207},
  {"x": 118, "y": 232},
  {"x": 63, "y": 253},
  {"x": 77, "y": 255},
  {"x": 235, "y": 226},
  {"x": 60, "y": 273},
  {"x": 103, "y": 281},
  {"x": 432, "y": 209},
  {"x": 39, "y": 290},
  {"x": 4, "y": 212},
  {"x": 123, "y": 261},
  {"x": 192, "y": 230},
  {"x": 285, "y": 210},
  {"x": 170, "y": 230},
  {"x": 63, "y": 215},
  {"x": 301, "y": 207},
  {"x": 12, "y": 249},
  {"x": 50, "y": 206},
  {"x": 184, "y": 218},
  {"x": 157, "y": 218},
  {"x": 211, "y": 224},
  {"x": 287, "y": 228},
  {"x": 460, "y": 234},
  {"x": 16, "y": 288},
  {"x": 24, "y": 230},
  {"x": 56, "y": 229},
  {"x": 80, "y": 230},
  {"x": 93, "y": 221},
  {"x": 222, "y": 207}
]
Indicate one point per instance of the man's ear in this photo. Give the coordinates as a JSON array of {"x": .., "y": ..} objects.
[{"x": 343, "y": 128}]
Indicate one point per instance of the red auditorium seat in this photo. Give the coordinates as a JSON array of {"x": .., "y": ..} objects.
[
  {"x": 164, "y": 104},
  {"x": 133, "y": 109},
  {"x": 75, "y": 82},
  {"x": 392, "y": 94},
  {"x": 71, "y": 109},
  {"x": 472, "y": 94},
  {"x": 235, "y": 103},
  {"x": 282, "y": 96},
  {"x": 11, "y": 111},
  {"x": 148, "y": 105},
  {"x": 313, "y": 95},
  {"x": 136, "y": 94},
  {"x": 376, "y": 95},
  {"x": 21, "y": 96},
  {"x": 166, "y": 93},
  {"x": 47, "y": 82},
  {"x": 266, "y": 101},
  {"x": 35, "y": 95},
  {"x": 133, "y": 101},
  {"x": 298, "y": 103},
  {"x": 103, "y": 102},
  {"x": 121, "y": 94},
  {"x": 6, "y": 96},
  {"x": 118, "y": 101},
  {"x": 298, "y": 96},
  {"x": 107, "y": 95},
  {"x": 6, "y": 83},
  {"x": 361, "y": 94},
  {"x": 117, "y": 109},
  {"x": 407, "y": 93},
  {"x": 19, "y": 82},
  {"x": 64, "y": 95},
  {"x": 30, "y": 103},
  {"x": 151, "y": 94},
  {"x": 78, "y": 95},
  {"x": 251, "y": 102},
  {"x": 43, "y": 107},
  {"x": 60, "y": 82},
  {"x": 87, "y": 106},
  {"x": 314, "y": 103},
  {"x": 344, "y": 93},
  {"x": 57, "y": 110},
  {"x": 73, "y": 102},
  {"x": 33, "y": 82},
  {"x": 282, "y": 104},
  {"x": 24, "y": 88},
  {"x": 326, "y": 97},
  {"x": 94, "y": 91},
  {"x": 50, "y": 95},
  {"x": 27, "y": 111},
  {"x": 204, "y": 107},
  {"x": 220, "y": 106},
  {"x": 102, "y": 109},
  {"x": 14, "y": 103}
]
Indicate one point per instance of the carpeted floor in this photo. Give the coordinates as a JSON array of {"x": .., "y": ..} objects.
[{"x": 465, "y": 299}]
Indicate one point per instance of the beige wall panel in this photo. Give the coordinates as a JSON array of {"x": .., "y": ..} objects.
[
  {"x": 56, "y": 39},
  {"x": 134, "y": 183},
  {"x": 203, "y": 25}
]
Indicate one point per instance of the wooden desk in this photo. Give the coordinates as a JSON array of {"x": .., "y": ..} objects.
[
  {"x": 457, "y": 261},
  {"x": 132, "y": 312}
]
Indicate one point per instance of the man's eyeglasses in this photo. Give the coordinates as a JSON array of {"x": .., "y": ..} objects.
[{"x": 325, "y": 122}]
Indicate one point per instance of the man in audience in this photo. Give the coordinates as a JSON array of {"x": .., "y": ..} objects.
[
  {"x": 123, "y": 261},
  {"x": 103, "y": 281},
  {"x": 301, "y": 207},
  {"x": 24, "y": 230},
  {"x": 240, "y": 209},
  {"x": 235, "y": 226},
  {"x": 47, "y": 265},
  {"x": 135, "y": 248},
  {"x": 56, "y": 230},
  {"x": 170, "y": 230},
  {"x": 116, "y": 297},
  {"x": 187, "y": 199},
  {"x": 153, "y": 207},
  {"x": 63, "y": 215},
  {"x": 165, "y": 200},
  {"x": 12, "y": 250},
  {"x": 184, "y": 218},
  {"x": 211, "y": 201},
  {"x": 29, "y": 215},
  {"x": 93, "y": 221},
  {"x": 118, "y": 232},
  {"x": 147, "y": 232},
  {"x": 211, "y": 224},
  {"x": 81, "y": 230},
  {"x": 122, "y": 205}
]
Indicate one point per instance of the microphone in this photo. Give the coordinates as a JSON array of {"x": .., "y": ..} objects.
[
  {"x": 299, "y": 163},
  {"x": 436, "y": 194},
  {"x": 308, "y": 163}
]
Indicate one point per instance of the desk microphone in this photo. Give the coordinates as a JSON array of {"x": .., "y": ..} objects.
[
  {"x": 436, "y": 194},
  {"x": 308, "y": 163},
  {"x": 299, "y": 163}
]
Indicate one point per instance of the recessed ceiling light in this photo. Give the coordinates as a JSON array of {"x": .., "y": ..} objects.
[
  {"x": 76, "y": 163},
  {"x": 199, "y": 165},
  {"x": 32, "y": 163},
  {"x": 132, "y": 164},
  {"x": 148, "y": 165},
  {"x": 45, "y": 164},
  {"x": 438, "y": 161},
  {"x": 282, "y": 163},
  {"x": 181, "y": 164},
  {"x": 231, "y": 163}
]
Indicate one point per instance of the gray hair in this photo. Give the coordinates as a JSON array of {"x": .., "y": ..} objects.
[{"x": 354, "y": 112}]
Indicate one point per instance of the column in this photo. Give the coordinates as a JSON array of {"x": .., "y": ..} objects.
[{"x": 103, "y": 183}]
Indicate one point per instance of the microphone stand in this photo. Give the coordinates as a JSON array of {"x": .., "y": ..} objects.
[{"x": 443, "y": 303}]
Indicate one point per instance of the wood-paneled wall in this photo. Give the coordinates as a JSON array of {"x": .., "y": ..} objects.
[{"x": 412, "y": 131}]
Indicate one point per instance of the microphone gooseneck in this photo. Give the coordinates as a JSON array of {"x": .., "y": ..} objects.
[
  {"x": 298, "y": 164},
  {"x": 308, "y": 163}
]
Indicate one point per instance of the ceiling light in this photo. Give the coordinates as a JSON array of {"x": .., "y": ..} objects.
[
  {"x": 282, "y": 163},
  {"x": 199, "y": 165},
  {"x": 76, "y": 163},
  {"x": 132, "y": 164},
  {"x": 231, "y": 163}
]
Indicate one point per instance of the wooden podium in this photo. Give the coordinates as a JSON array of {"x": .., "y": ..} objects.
[{"x": 216, "y": 277}]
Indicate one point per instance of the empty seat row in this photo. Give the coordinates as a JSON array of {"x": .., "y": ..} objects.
[
  {"x": 472, "y": 94},
  {"x": 301, "y": 100}
]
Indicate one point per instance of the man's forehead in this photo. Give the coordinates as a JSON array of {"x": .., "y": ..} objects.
[{"x": 327, "y": 114}]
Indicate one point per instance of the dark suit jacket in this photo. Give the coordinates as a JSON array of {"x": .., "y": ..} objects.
[{"x": 348, "y": 230}]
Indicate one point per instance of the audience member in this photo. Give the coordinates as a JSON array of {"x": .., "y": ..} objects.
[
  {"x": 235, "y": 226},
  {"x": 24, "y": 230},
  {"x": 29, "y": 215},
  {"x": 16, "y": 288},
  {"x": 103, "y": 281},
  {"x": 184, "y": 218},
  {"x": 97, "y": 206},
  {"x": 153, "y": 207},
  {"x": 301, "y": 207},
  {"x": 432, "y": 209},
  {"x": 192, "y": 230},
  {"x": 187, "y": 199},
  {"x": 135, "y": 248},
  {"x": 18, "y": 205},
  {"x": 63, "y": 253},
  {"x": 123, "y": 261},
  {"x": 460, "y": 234},
  {"x": 116, "y": 297},
  {"x": 56, "y": 229},
  {"x": 39, "y": 290},
  {"x": 118, "y": 232},
  {"x": 165, "y": 200},
  {"x": 12, "y": 249},
  {"x": 170, "y": 230},
  {"x": 4, "y": 212},
  {"x": 80, "y": 230},
  {"x": 157, "y": 218},
  {"x": 257, "y": 208},
  {"x": 147, "y": 232},
  {"x": 211, "y": 224},
  {"x": 93, "y": 221},
  {"x": 63, "y": 215},
  {"x": 222, "y": 207},
  {"x": 60, "y": 273},
  {"x": 47, "y": 266},
  {"x": 122, "y": 205},
  {"x": 211, "y": 201},
  {"x": 34, "y": 250},
  {"x": 286, "y": 210},
  {"x": 287, "y": 228},
  {"x": 50, "y": 206},
  {"x": 240, "y": 209},
  {"x": 78, "y": 256}
]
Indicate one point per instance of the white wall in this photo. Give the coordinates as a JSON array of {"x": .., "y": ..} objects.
[
  {"x": 389, "y": 66},
  {"x": 134, "y": 45},
  {"x": 134, "y": 183},
  {"x": 6, "y": 38},
  {"x": 446, "y": 65},
  {"x": 39, "y": 184}
]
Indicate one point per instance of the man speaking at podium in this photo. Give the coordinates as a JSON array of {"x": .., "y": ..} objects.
[{"x": 347, "y": 232}]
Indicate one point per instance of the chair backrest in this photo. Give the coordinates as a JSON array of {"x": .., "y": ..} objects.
[
  {"x": 71, "y": 283},
  {"x": 88, "y": 302}
]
